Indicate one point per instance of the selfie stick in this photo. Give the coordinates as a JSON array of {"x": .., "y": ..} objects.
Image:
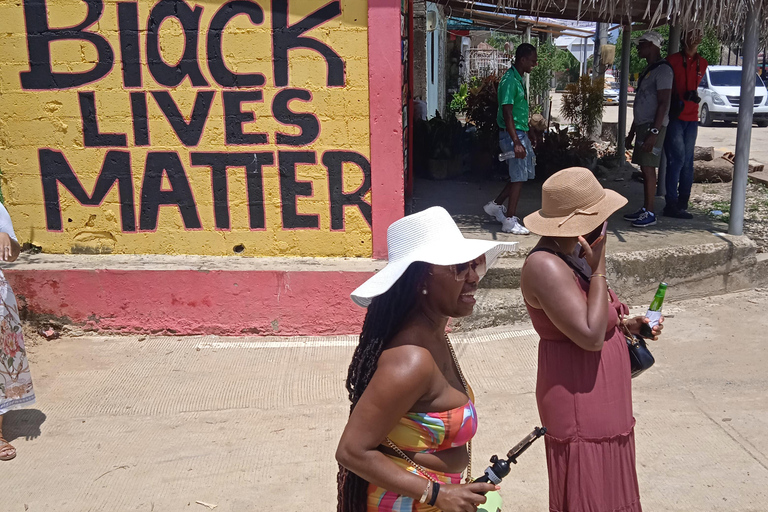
[{"x": 500, "y": 467}]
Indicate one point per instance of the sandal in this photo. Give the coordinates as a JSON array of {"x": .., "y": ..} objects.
[{"x": 7, "y": 452}]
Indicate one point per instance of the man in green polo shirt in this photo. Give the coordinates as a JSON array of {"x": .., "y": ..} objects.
[{"x": 512, "y": 119}]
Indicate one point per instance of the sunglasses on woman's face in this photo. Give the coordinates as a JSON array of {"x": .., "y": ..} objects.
[{"x": 461, "y": 270}]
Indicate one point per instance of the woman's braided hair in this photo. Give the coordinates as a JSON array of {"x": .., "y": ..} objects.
[{"x": 385, "y": 317}]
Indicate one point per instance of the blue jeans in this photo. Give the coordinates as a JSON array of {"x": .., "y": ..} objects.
[
  {"x": 678, "y": 146},
  {"x": 520, "y": 169}
]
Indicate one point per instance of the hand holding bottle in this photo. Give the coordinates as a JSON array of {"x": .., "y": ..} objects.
[{"x": 653, "y": 315}]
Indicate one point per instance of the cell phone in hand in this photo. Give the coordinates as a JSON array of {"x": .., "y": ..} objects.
[{"x": 597, "y": 240}]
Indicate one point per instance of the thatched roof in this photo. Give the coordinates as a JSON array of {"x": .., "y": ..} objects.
[{"x": 727, "y": 16}]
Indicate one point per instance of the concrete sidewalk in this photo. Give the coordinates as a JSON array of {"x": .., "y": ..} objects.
[{"x": 251, "y": 424}]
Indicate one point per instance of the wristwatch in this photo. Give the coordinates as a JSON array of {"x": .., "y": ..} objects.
[{"x": 654, "y": 131}]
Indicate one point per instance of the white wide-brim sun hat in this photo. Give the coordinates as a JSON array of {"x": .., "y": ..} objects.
[{"x": 430, "y": 236}]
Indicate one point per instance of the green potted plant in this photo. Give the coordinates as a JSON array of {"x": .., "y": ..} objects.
[
  {"x": 442, "y": 140},
  {"x": 482, "y": 108},
  {"x": 583, "y": 107}
]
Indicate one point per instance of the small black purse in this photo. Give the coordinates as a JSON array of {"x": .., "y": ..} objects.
[{"x": 640, "y": 357}]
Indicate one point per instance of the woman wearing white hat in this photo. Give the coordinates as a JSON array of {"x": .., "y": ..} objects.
[
  {"x": 408, "y": 438},
  {"x": 583, "y": 387}
]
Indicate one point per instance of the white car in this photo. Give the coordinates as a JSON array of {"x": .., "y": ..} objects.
[
  {"x": 611, "y": 92},
  {"x": 720, "y": 91}
]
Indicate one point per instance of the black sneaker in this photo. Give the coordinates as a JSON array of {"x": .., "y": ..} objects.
[{"x": 677, "y": 213}]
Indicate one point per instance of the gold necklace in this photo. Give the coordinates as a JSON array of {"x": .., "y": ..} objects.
[
  {"x": 468, "y": 478},
  {"x": 419, "y": 468}
]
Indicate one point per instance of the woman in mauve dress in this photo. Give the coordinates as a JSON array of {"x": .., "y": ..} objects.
[
  {"x": 583, "y": 388},
  {"x": 15, "y": 380}
]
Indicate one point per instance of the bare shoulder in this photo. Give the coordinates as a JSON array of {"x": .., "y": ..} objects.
[
  {"x": 543, "y": 264},
  {"x": 406, "y": 357},
  {"x": 543, "y": 271}
]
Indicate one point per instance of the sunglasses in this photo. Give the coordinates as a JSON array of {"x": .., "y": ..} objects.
[{"x": 461, "y": 271}]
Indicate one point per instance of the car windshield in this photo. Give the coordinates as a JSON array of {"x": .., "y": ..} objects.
[{"x": 730, "y": 78}]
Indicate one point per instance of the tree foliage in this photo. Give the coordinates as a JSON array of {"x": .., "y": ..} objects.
[
  {"x": 499, "y": 39},
  {"x": 482, "y": 107},
  {"x": 542, "y": 74},
  {"x": 583, "y": 104},
  {"x": 709, "y": 48}
]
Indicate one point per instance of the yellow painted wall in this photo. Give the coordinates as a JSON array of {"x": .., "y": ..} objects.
[{"x": 32, "y": 120}]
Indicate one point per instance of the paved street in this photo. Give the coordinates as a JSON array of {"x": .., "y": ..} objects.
[
  {"x": 251, "y": 424},
  {"x": 720, "y": 136}
]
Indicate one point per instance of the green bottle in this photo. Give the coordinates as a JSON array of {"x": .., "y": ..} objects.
[{"x": 654, "y": 311}]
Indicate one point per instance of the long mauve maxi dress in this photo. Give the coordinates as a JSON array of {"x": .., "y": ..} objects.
[{"x": 585, "y": 401}]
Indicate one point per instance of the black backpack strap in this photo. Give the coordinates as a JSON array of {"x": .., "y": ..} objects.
[
  {"x": 565, "y": 260},
  {"x": 653, "y": 66}
]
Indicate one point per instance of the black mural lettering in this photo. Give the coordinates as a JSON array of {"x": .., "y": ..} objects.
[
  {"x": 255, "y": 184},
  {"x": 140, "y": 120},
  {"x": 55, "y": 169},
  {"x": 92, "y": 137},
  {"x": 189, "y": 133},
  {"x": 234, "y": 118},
  {"x": 334, "y": 162},
  {"x": 310, "y": 126},
  {"x": 253, "y": 163},
  {"x": 219, "y": 70},
  {"x": 287, "y": 38},
  {"x": 128, "y": 23},
  {"x": 152, "y": 195},
  {"x": 40, "y": 36},
  {"x": 171, "y": 76},
  {"x": 290, "y": 189}
]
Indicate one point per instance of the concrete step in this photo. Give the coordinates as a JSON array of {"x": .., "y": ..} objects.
[
  {"x": 187, "y": 295},
  {"x": 729, "y": 264}
]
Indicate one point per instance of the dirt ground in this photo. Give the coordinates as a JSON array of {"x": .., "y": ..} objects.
[
  {"x": 251, "y": 424},
  {"x": 709, "y": 197}
]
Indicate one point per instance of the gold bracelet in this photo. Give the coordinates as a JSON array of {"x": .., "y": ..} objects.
[
  {"x": 426, "y": 492},
  {"x": 600, "y": 275}
]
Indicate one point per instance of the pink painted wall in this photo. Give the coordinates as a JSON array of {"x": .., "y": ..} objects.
[
  {"x": 196, "y": 302},
  {"x": 386, "y": 105}
]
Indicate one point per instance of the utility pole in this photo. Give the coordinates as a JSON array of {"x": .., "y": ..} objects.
[
  {"x": 527, "y": 37},
  {"x": 626, "y": 46},
  {"x": 596, "y": 55},
  {"x": 744, "y": 130}
]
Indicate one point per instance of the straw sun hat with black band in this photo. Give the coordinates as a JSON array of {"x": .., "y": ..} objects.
[{"x": 573, "y": 203}]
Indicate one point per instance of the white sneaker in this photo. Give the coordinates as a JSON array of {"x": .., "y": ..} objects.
[
  {"x": 497, "y": 211},
  {"x": 512, "y": 225}
]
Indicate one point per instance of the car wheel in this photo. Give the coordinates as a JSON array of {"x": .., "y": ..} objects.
[
  {"x": 705, "y": 119},
  {"x": 762, "y": 124}
]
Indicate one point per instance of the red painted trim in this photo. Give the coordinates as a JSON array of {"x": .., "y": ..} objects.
[
  {"x": 386, "y": 108},
  {"x": 186, "y": 302}
]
